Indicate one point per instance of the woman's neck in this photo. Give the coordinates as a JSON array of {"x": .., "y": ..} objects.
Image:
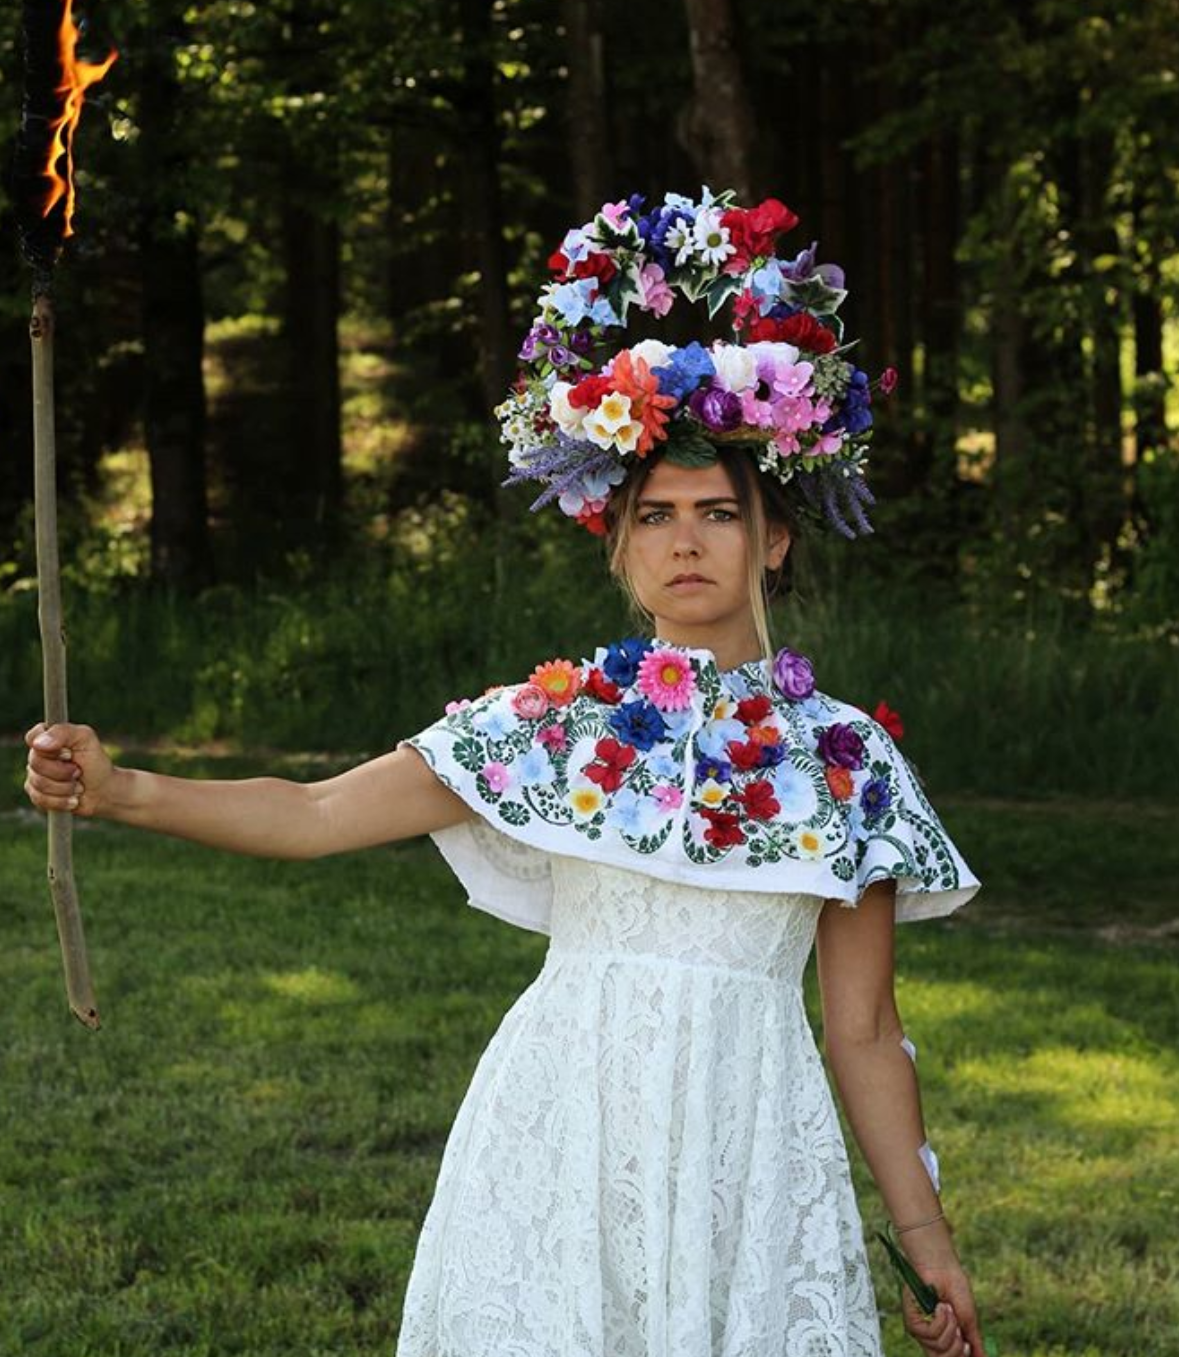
[{"x": 730, "y": 648}]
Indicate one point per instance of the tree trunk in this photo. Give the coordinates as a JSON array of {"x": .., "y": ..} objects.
[
  {"x": 173, "y": 327},
  {"x": 1150, "y": 400},
  {"x": 587, "y": 136},
  {"x": 717, "y": 129},
  {"x": 311, "y": 317},
  {"x": 939, "y": 304}
]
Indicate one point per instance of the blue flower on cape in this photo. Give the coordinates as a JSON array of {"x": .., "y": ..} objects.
[
  {"x": 688, "y": 367},
  {"x": 496, "y": 723},
  {"x": 717, "y": 769},
  {"x": 677, "y": 722},
  {"x": 875, "y": 798},
  {"x": 535, "y": 767},
  {"x": 712, "y": 739},
  {"x": 633, "y": 815},
  {"x": 621, "y": 664},
  {"x": 795, "y": 792},
  {"x": 638, "y": 723},
  {"x": 663, "y": 765}
]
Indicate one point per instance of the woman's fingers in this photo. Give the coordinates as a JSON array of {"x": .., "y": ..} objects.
[
  {"x": 938, "y": 1333},
  {"x": 53, "y": 779}
]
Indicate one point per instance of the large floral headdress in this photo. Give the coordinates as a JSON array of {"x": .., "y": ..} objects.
[{"x": 584, "y": 409}]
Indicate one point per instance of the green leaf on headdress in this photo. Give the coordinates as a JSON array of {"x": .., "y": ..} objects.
[
  {"x": 720, "y": 292},
  {"x": 816, "y": 295},
  {"x": 687, "y": 447}
]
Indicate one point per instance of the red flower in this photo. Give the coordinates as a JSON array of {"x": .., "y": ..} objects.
[
  {"x": 593, "y": 519},
  {"x": 559, "y": 264},
  {"x": 759, "y": 801},
  {"x": 888, "y": 381},
  {"x": 744, "y": 756},
  {"x": 754, "y": 231},
  {"x": 754, "y": 710},
  {"x": 599, "y": 266},
  {"x": 612, "y": 760},
  {"x": 744, "y": 306},
  {"x": 589, "y": 391},
  {"x": 599, "y": 686},
  {"x": 889, "y": 719},
  {"x": 801, "y": 329},
  {"x": 723, "y": 830}
]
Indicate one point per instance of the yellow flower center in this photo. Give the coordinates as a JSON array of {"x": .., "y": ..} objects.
[
  {"x": 809, "y": 840},
  {"x": 586, "y": 799},
  {"x": 671, "y": 674}
]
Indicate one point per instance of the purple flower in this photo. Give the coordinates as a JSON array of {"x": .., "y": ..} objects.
[
  {"x": 717, "y": 769},
  {"x": 546, "y": 334},
  {"x": 876, "y": 798},
  {"x": 716, "y": 409},
  {"x": 580, "y": 341},
  {"x": 528, "y": 348},
  {"x": 840, "y": 746},
  {"x": 793, "y": 676},
  {"x": 560, "y": 357}
]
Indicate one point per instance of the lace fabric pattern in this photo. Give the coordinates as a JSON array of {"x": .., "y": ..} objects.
[{"x": 648, "y": 1160}]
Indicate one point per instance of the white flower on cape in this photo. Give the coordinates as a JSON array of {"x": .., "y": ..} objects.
[
  {"x": 795, "y": 792},
  {"x": 496, "y": 721},
  {"x": 535, "y": 767},
  {"x": 634, "y": 815},
  {"x": 714, "y": 736}
]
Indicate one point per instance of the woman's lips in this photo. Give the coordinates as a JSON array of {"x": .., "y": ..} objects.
[{"x": 688, "y": 582}]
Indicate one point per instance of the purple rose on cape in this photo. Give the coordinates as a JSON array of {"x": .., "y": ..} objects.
[
  {"x": 717, "y": 410},
  {"x": 793, "y": 676},
  {"x": 840, "y": 746}
]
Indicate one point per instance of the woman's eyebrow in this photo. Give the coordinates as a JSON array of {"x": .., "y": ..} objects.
[{"x": 700, "y": 503}]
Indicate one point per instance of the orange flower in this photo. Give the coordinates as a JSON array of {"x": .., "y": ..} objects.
[
  {"x": 840, "y": 782},
  {"x": 633, "y": 378},
  {"x": 764, "y": 735},
  {"x": 560, "y": 679}
]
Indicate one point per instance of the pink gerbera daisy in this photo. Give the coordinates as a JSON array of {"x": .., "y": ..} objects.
[{"x": 667, "y": 678}]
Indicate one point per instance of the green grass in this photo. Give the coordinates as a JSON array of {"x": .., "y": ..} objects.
[{"x": 240, "y": 1160}]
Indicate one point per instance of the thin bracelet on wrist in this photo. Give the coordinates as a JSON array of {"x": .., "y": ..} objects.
[{"x": 917, "y": 1225}]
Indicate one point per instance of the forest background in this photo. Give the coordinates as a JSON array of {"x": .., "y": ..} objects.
[{"x": 309, "y": 239}]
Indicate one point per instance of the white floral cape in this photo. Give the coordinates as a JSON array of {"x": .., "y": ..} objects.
[{"x": 739, "y": 788}]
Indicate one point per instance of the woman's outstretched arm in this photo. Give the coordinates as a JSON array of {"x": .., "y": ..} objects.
[
  {"x": 877, "y": 1085},
  {"x": 395, "y": 796}
]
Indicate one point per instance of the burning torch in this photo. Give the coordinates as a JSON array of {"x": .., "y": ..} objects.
[{"x": 43, "y": 182}]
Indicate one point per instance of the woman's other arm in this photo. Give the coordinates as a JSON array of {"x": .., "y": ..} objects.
[
  {"x": 877, "y": 1084},
  {"x": 395, "y": 796}
]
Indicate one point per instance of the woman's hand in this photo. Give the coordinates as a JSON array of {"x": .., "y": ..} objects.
[
  {"x": 68, "y": 769},
  {"x": 952, "y": 1330}
]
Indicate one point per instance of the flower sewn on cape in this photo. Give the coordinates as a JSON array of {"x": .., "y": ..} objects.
[
  {"x": 559, "y": 680},
  {"x": 667, "y": 678}
]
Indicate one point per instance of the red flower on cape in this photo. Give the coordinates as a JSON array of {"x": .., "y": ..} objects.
[
  {"x": 754, "y": 710},
  {"x": 744, "y": 755},
  {"x": 612, "y": 759},
  {"x": 801, "y": 329},
  {"x": 599, "y": 686},
  {"x": 759, "y": 801},
  {"x": 723, "y": 830}
]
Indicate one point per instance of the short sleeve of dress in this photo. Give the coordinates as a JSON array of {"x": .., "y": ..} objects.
[
  {"x": 899, "y": 835},
  {"x": 502, "y": 875}
]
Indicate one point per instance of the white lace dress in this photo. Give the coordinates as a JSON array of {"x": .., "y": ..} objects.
[{"x": 648, "y": 1161}]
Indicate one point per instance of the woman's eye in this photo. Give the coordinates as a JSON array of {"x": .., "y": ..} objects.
[
  {"x": 726, "y": 514},
  {"x": 652, "y": 516}
]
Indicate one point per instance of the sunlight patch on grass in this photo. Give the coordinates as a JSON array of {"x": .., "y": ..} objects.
[
  {"x": 312, "y": 985},
  {"x": 1085, "y": 1089}
]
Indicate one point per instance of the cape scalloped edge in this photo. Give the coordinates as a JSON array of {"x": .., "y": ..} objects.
[
  {"x": 584, "y": 409},
  {"x": 651, "y": 758}
]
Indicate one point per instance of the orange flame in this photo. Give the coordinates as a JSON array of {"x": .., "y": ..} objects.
[{"x": 77, "y": 77}]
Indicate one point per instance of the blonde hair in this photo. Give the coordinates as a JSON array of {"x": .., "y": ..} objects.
[{"x": 760, "y": 502}]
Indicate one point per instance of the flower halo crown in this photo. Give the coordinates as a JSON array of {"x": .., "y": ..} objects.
[{"x": 583, "y": 409}]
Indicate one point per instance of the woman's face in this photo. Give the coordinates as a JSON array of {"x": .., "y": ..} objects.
[{"x": 686, "y": 555}]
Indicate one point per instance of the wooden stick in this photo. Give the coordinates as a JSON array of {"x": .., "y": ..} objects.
[{"x": 79, "y": 990}]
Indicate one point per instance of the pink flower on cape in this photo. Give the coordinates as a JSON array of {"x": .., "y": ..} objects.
[
  {"x": 530, "y": 702},
  {"x": 552, "y": 737},
  {"x": 497, "y": 775},
  {"x": 667, "y": 678},
  {"x": 668, "y": 797}
]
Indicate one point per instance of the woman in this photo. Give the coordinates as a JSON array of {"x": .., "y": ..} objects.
[{"x": 648, "y": 1158}]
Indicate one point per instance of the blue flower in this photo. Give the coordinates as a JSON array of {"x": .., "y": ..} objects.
[
  {"x": 573, "y": 301},
  {"x": 712, "y": 739},
  {"x": 535, "y": 767},
  {"x": 688, "y": 367},
  {"x": 496, "y": 722},
  {"x": 855, "y": 414},
  {"x": 621, "y": 664},
  {"x": 634, "y": 815},
  {"x": 677, "y": 722},
  {"x": 717, "y": 769},
  {"x": 602, "y": 313},
  {"x": 875, "y": 798},
  {"x": 663, "y": 765},
  {"x": 795, "y": 792},
  {"x": 766, "y": 285},
  {"x": 772, "y": 755},
  {"x": 638, "y": 723}
]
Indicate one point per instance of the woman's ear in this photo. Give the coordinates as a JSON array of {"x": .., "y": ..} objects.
[{"x": 779, "y": 545}]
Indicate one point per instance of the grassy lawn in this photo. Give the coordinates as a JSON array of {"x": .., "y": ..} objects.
[{"x": 239, "y": 1162}]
